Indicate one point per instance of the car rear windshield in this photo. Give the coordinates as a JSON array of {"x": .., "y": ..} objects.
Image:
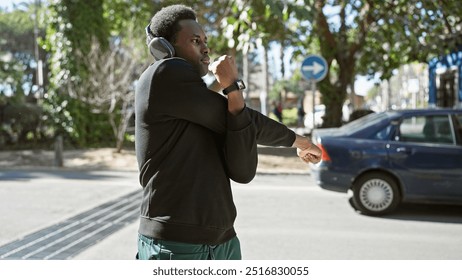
[{"x": 368, "y": 120}]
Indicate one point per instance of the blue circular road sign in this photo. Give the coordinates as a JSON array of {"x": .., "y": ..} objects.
[{"x": 314, "y": 67}]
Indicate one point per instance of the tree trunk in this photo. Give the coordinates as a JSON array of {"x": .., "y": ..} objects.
[
  {"x": 333, "y": 98},
  {"x": 334, "y": 95},
  {"x": 282, "y": 94}
]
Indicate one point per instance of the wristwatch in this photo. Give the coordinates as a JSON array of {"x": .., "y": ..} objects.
[{"x": 237, "y": 85}]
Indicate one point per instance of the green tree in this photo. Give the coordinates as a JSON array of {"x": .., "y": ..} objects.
[
  {"x": 370, "y": 36},
  {"x": 114, "y": 26},
  {"x": 20, "y": 116},
  {"x": 17, "y": 61},
  {"x": 72, "y": 26},
  {"x": 410, "y": 31},
  {"x": 256, "y": 24}
]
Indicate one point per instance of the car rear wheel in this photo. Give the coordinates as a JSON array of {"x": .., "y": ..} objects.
[{"x": 375, "y": 194}]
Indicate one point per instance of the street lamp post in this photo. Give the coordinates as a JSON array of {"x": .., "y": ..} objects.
[{"x": 39, "y": 69}]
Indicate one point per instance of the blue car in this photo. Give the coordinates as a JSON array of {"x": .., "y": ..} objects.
[{"x": 393, "y": 157}]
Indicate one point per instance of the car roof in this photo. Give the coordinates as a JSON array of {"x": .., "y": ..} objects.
[
  {"x": 428, "y": 110},
  {"x": 358, "y": 126}
]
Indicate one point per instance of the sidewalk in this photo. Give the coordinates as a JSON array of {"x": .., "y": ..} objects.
[
  {"x": 35, "y": 198},
  {"x": 122, "y": 245},
  {"x": 270, "y": 160}
]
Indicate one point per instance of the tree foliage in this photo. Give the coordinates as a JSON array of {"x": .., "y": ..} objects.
[
  {"x": 410, "y": 31},
  {"x": 109, "y": 89},
  {"x": 355, "y": 37},
  {"x": 116, "y": 26},
  {"x": 20, "y": 116},
  {"x": 71, "y": 27},
  {"x": 371, "y": 36},
  {"x": 17, "y": 62}
]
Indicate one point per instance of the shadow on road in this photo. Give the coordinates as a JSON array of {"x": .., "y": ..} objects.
[
  {"x": 23, "y": 175},
  {"x": 428, "y": 213}
]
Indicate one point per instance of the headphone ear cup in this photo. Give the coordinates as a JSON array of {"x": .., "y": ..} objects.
[{"x": 160, "y": 48}]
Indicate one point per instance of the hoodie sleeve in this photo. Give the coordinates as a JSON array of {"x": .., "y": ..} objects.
[
  {"x": 270, "y": 132},
  {"x": 241, "y": 147}
]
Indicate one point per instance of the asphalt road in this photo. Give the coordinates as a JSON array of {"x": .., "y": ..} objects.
[
  {"x": 282, "y": 217},
  {"x": 288, "y": 217}
]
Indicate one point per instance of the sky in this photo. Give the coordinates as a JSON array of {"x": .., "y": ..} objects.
[{"x": 9, "y": 3}]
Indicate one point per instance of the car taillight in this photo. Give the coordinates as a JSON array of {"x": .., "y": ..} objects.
[{"x": 325, "y": 156}]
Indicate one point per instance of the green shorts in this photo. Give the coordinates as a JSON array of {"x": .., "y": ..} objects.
[{"x": 154, "y": 249}]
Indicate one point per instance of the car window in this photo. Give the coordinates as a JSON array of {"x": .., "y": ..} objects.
[
  {"x": 458, "y": 127},
  {"x": 383, "y": 134},
  {"x": 369, "y": 119},
  {"x": 426, "y": 129}
]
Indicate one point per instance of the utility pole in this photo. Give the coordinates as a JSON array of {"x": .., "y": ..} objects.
[{"x": 39, "y": 69}]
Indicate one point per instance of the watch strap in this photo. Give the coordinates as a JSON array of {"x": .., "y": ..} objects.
[{"x": 237, "y": 85}]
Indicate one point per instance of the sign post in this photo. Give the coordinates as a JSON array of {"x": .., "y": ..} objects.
[{"x": 314, "y": 69}]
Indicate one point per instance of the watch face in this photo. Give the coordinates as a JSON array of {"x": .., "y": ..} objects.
[{"x": 240, "y": 84}]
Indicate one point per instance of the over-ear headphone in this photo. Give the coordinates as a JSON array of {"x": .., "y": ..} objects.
[{"x": 159, "y": 47}]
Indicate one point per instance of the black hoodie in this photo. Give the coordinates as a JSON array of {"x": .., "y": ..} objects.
[{"x": 188, "y": 148}]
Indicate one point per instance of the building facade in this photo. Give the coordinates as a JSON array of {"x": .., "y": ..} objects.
[{"x": 445, "y": 81}]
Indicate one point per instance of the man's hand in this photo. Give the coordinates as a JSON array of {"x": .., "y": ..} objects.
[
  {"x": 306, "y": 150},
  {"x": 312, "y": 154},
  {"x": 225, "y": 70}
]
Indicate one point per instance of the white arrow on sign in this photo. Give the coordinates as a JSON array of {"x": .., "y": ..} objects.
[{"x": 315, "y": 68}]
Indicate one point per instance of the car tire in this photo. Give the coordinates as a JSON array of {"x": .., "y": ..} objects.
[{"x": 375, "y": 194}]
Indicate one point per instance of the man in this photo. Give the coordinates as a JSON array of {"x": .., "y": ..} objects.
[{"x": 190, "y": 141}]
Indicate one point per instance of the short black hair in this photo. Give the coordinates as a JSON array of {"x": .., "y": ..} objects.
[{"x": 165, "y": 22}]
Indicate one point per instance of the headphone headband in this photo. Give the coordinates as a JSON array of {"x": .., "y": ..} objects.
[{"x": 149, "y": 32}]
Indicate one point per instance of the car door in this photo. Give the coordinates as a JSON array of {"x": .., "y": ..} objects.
[{"x": 427, "y": 157}]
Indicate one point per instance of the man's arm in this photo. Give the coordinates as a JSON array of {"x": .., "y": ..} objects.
[
  {"x": 265, "y": 130},
  {"x": 180, "y": 93},
  {"x": 273, "y": 133},
  {"x": 240, "y": 144},
  {"x": 225, "y": 71}
]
